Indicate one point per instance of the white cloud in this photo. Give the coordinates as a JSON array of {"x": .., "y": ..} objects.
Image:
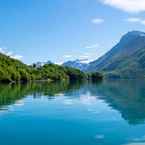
[
  {"x": 60, "y": 62},
  {"x": 92, "y": 46},
  {"x": 90, "y": 53},
  {"x": 10, "y": 54},
  {"x": 136, "y": 20},
  {"x": 84, "y": 56},
  {"x": 133, "y": 6},
  {"x": 67, "y": 56},
  {"x": 84, "y": 60},
  {"x": 97, "y": 20},
  {"x": 19, "y": 57},
  {"x": 2, "y": 50}
]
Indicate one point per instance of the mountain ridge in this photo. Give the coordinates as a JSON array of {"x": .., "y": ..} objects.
[{"x": 125, "y": 58}]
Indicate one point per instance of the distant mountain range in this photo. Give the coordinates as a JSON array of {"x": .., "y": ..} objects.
[
  {"x": 124, "y": 60},
  {"x": 79, "y": 64}
]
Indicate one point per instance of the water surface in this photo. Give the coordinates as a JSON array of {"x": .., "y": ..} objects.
[{"x": 107, "y": 113}]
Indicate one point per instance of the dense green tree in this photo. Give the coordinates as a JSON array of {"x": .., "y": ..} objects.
[{"x": 12, "y": 70}]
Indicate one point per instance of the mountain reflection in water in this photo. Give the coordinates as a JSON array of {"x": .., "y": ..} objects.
[{"x": 125, "y": 96}]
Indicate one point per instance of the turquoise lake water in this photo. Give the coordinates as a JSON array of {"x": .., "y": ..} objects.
[{"x": 106, "y": 113}]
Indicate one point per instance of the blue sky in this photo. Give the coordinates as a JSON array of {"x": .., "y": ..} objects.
[{"x": 60, "y": 30}]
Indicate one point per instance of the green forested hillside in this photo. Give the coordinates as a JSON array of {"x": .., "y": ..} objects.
[{"x": 12, "y": 70}]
